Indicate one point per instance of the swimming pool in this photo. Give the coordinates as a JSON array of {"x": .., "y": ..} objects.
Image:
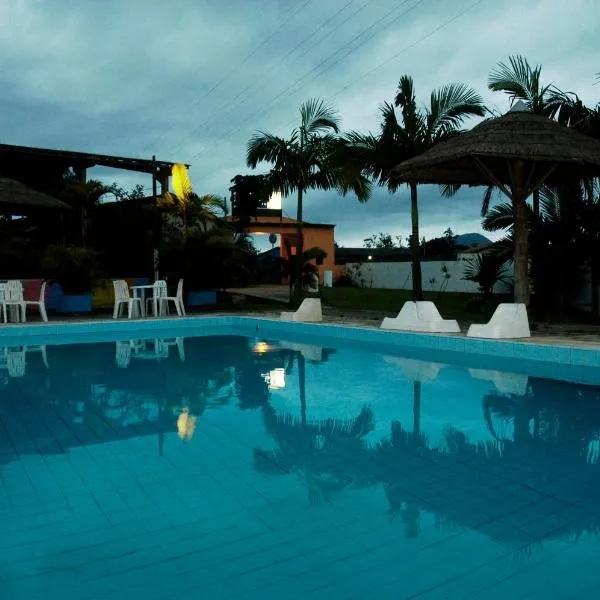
[{"x": 244, "y": 460}]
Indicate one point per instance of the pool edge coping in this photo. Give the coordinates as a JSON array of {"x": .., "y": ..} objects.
[{"x": 572, "y": 355}]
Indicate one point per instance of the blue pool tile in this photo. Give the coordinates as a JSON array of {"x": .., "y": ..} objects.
[{"x": 351, "y": 481}]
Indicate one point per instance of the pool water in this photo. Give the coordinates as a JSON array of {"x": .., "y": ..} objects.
[{"x": 227, "y": 466}]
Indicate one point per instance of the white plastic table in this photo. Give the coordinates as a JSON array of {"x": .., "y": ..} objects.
[{"x": 139, "y": 291}]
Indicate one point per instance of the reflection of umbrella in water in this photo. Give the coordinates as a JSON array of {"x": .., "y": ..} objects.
[
  {"x": 416, "y": 371},
  {"x": 518, "y": 152}
]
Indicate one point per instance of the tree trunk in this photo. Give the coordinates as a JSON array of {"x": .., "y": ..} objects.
[
  {"x": 298, "y": 291},
  {"x": 595, "y": 283},
  {"x": 417, "y": 282},
  {"x": 416, "y": 409},
  {"x": 302, "y": 387},
  {"x": 84, "y": 219},
  {"x": 521, "y": 253}
]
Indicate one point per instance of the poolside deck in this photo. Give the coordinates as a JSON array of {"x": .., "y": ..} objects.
[{"x": 571, "y": 334}]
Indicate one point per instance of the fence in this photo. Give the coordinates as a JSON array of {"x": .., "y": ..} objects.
[{"x": 437, "y": 275}]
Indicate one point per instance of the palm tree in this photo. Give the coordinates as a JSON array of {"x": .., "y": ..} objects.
[
  {"x": 521, "y": 82},
  {"x": 565, "y": 238},
  {"x": 83, "y": 197},
  {"x": 406, "y": 133},
  {"x": 305, "y": 161}
]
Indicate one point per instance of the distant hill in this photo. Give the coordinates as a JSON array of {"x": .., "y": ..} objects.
[{"x": 471, "y": 239}]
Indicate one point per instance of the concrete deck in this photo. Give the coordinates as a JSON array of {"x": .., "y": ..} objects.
[{"x": 275, "y": 293}]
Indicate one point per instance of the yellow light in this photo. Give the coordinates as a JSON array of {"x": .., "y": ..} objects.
[
  {"x": 274, "y": 202},
  {"x": 186, "y": 424},
  {"x": 370, "y": 257},
  {"x": 182, "y": 186},
  {"x": 261, "y": 347},
  {"x": 276, "y": 379}
]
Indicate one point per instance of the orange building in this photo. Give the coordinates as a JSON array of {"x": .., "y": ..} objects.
[{"x": 315, "y": 235}]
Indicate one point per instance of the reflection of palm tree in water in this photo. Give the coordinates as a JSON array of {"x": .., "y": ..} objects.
[
  {"x": 312, "y": 448},
  {"x": 553, "y": 418},
  {"x": 459, "y": 481},
  {"x": 326, "y": 453}
]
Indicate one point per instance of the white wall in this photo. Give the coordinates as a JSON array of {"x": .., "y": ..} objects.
[{"x": 397, "y": 276}]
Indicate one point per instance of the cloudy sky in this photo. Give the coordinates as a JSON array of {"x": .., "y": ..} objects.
[{"x": 190, "y": 80}]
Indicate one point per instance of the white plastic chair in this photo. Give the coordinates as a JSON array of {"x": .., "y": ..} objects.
[
  {"x": 42, "y": 350},
  {"x": 420, "y": 316},
  {"x": 508, "y": 321},
  {"x": 123, "y": 354},
  {"x": 159, "y": 291},
  {"x": 177, "y": 300},
  {"x": 166, "y": 343},
  {"x": 16, "y": 363},
  {"x": 310, "y": 311},
  {"x": 122, "y": 297},
  {"x": 13, "y": 296},
  {"x": 41, "y": 303}
]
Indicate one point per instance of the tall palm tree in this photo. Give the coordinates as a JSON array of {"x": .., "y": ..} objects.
[
  {"x": 521, "y": 82},
  {"x": 305, "y": 161},
  {"x": 408, "y": 132}
]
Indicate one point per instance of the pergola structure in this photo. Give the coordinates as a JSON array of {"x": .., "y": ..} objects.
[{"x": 43, "y": 168}]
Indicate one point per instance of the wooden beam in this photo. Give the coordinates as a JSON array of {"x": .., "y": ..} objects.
[
  {"x": 540, "y": 181},
  {"x": 490, "y": 175}
]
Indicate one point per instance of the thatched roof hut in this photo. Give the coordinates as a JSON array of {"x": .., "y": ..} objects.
[
  {"x": 484, "y": 154},
  {"x": 518, "y": 152},
  {"x": 16, "y": 197}
]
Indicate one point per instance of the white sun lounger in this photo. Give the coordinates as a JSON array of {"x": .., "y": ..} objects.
[
  {"x": 508, "y": 321},
  {"x": 414, "y": 369},
  {"x": 309, "y": 310},
  {"x": 506, "y": 383},
  {"x": 420, "y": 316}
]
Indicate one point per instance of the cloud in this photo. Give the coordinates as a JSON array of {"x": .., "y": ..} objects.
[{"x": 191, "y": 81}]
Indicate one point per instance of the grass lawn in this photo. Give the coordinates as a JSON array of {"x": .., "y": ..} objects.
[{"x": 452, "y": 305}]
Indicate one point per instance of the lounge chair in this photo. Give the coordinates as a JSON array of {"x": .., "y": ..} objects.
[
  {"x": 310, "y": 311},
  {"x": 420, "y": 316},
  {"x": 508, "y": 321}
]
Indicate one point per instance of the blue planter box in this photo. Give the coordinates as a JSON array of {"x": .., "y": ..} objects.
[
  {"x": 74, "y": 304},
  {"x": 203, "y": 298}
]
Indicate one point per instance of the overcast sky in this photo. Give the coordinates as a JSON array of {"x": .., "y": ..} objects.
[{"x": 190, "y": 80}]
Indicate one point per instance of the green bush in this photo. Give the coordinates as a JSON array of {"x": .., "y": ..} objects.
[{"x": 75, "y": 268}]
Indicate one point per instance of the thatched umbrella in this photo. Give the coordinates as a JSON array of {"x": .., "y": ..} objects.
[
  {"x": 518, "y": 152},
  {"x": 16, "y": 197}
]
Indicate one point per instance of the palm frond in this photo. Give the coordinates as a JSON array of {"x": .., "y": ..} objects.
[
  {"x": 213, "y": 202},
  {"x": 266, "y": 147},
  {"x": 499, "y": 218},
  {"x": 550, "y": 204},
  {"x": 449, "y": 190},
  {"x": 182, "y": 186},
  {"x": 406, "y": 101},
  {"x": 450, "y": 106},
  {"x": 316, "y": 116},
  {"x": 517, "y": 79},
  {"x": 487, "y": 199}
]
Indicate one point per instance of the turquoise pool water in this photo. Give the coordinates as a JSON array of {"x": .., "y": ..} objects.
[{"x": 254, "y": 467}]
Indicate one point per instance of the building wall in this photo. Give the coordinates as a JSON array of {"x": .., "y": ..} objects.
[
  {"x": 398, "y": 276},
  {"x": 320, "y": 237}
]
